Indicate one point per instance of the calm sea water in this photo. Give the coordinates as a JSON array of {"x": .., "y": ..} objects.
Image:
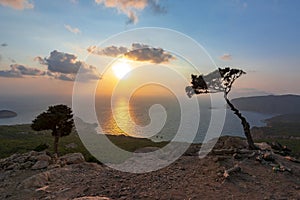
[{"x": 29, "y": 107}]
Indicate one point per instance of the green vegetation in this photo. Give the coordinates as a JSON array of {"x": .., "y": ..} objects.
[
  {"x": 281, "y": 129},
  {"x": 294, "y": 145},
  {"x": 284, "y": 129},
  {"x": 21, "y": 139}
]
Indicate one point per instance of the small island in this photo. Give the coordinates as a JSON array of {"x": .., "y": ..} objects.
[{"x": 7, "y": 114}]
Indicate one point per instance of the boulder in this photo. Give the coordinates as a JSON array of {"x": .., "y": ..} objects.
[
  {"x": 72, "y": 158},
  {"x": 43, "y": 157},
  {"x": 13, "y": 166},
  {"x": 26, "y": 165},
  {"x": 268, "y": 156},
  {"x": 41, "y": 164},
  {"x": 35, "y": 181},
  {"x": 263, "y": 146}
]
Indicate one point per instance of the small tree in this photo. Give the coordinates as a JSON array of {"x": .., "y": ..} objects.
[
  {"x": 58, "y": 119},
  {"x": 221, "y": 80}
]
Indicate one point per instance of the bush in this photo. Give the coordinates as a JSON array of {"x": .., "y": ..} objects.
[{"x": 41, "y": 147}]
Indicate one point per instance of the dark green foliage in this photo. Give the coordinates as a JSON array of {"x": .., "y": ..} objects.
[
  {"x": 220, "y": 80},
  {"x": 41, "y": 147},
  {"x": 58, "y": 119}
]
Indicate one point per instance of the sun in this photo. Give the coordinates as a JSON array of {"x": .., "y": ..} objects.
[{"x": 120, "y": 69}]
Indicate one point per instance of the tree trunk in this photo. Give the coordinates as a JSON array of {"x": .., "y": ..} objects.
[
  {"x": 244, "y": 123},
  {"x": 56, "y": 138}
]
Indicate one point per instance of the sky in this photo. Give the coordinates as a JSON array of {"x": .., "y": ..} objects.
[{"x": 43, "y": 44}]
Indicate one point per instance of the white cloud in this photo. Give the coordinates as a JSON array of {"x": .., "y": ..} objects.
[
  {"x": 74, "y": 1},
  {"x": 17, "y": 4},
  {"x": 131, "y": 7},
  {"x": 226, "y": 57},
  {"x": 72, "y": 30}
]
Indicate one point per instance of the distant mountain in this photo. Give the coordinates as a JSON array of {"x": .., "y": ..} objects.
[
  {"x": 272, "y": 104},
  {"x": 7, "y": 114},
  {"x": 286, "y": 118}
]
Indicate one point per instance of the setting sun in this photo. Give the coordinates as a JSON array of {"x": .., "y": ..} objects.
[{"x": 120, "y": 69}]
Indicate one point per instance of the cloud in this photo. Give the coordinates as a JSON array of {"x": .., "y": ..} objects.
[
  {"x": 19, "y": 71},
  {"x": 65, "y": 66},
  {"x": 40, "y": 60},
  {"x": 60, "y": 76},
  {"x": 27, "y": 71},
  {"x": 62, "y": 62},
  {"x": 74, "y": 1},
  {"x": 10, "y": 74},
  {"x": 112, "y": 51},
  {"x": 226, "y": 57},
  {"x": 62, "y": 66},
  {"x": 72, "y": 30},
  {"x": 137, "y": 52},
  {"x": 4, "y": 45},
  {"x": 17, "y": 4},
  {"x": 131, "y": 7},
  {"x": 153, "y": 55}
]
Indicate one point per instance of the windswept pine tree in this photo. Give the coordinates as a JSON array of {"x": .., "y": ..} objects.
[{"x": 221, "y": 80}]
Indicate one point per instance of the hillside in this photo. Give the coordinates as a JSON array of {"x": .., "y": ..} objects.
[
  {"x": 272, "y": 104},
  {"x": 187, "y": 178},
  {"x": 21, "y": 139},
  {"x": 281, "y": 128},
  {"x": 293, "y": 118}
]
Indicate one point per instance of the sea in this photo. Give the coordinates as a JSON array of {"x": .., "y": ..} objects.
[{"x": 129, "y": 119}]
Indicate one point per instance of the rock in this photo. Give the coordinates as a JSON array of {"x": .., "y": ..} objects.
[
  {"x": 20, "y": 159},
  {"x": 13, "y": 166},
  {"x": 72, "y": 158},
  {"x": 41, "y": 164},
  {"x": 268, "y": 157},
  {"x": 92, "y": 198},
  {"x": 53, "y": 166},
  {"x": 71, "y": 146},
  {"x": 193, "y": 150},
  {"x": 263, "y": 146},
  {"x": 43, "y": 157},
  {"x": 35, "y": 181},
  {"x": 26, "y": 165},
  {"x": 33, "y": 153},
  {"x": 227, "y": 142}
]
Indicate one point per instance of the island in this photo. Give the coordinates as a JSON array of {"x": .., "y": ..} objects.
[{"x": 7, "y": 114}]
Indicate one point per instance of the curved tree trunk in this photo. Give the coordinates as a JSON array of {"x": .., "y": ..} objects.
[{"x": 244, "y": 123}]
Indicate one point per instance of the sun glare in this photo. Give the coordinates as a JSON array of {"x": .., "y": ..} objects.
[{"x": 120, "y": 69}]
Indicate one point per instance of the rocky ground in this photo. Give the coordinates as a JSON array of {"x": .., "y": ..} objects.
[{"x": 230, "y": 171}]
